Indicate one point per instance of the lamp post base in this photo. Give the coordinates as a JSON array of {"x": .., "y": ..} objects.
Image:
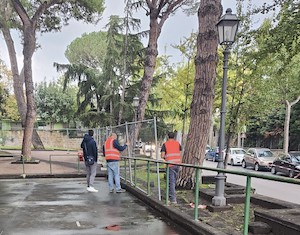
[
  {"x": 219, "y": 199},
  {"x": 213, "y": 208}
]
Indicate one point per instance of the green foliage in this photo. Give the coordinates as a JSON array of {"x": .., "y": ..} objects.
[
  {"x": 286, "y": 31},
  {"x": 8, "y": 105},
  {"x": 94, "y": 119},
  {"x": 11, "y": 108},
  {"x": 175, "y": 94},
  {"x": 88, "y": 50},
  {"x": 276, "y": 59},
  {"x": 172, "y": 93},
  {"x": 97, "y": 65},
  {"x": 3, "y": 98},
  {"x": 122, "y": 52},
  {"x": 53, "y": 104},
  {"x": 57, "y": 15}
]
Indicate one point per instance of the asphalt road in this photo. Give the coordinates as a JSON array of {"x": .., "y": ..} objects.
[{"x": 283, "y": 191}]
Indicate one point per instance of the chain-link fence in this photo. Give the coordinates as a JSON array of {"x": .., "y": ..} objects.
[
  {"x": 66, "y": 159},
  {"x": 145, "y": 143}
]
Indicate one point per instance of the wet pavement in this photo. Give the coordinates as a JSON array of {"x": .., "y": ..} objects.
[{"x": 63, "y": 206}]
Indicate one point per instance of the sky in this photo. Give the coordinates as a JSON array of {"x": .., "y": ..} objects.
[{"x": 53, "y": 45}]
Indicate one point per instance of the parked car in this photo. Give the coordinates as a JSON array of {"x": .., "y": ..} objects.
[
  {"x": 212, "y": 154},
  {"x": 288, "y": 164},
  {"x": 236, "y": 156},
  {"x": 259, "y": 158}
]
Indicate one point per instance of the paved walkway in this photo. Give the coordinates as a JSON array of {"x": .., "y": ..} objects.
[
  {"x": 62, "y": 162},
  {"x": 62, "y": 206}
]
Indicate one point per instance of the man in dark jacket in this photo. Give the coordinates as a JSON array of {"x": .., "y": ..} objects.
[{"x": 89, "y": 147}]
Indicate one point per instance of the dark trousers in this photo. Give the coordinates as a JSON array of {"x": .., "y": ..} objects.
[{"x": 173, "y": 173}]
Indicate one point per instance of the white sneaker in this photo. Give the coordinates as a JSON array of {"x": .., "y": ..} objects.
[{"x": 92, "y": 189}]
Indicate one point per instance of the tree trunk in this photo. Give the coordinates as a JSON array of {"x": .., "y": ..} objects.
[
  {"x": 18, "y": 82},
  {"x": 158, "y": 14},
  {"x": 28, "y": 49},
  {"x": 201, "y": 108},
  {"x": 150, "y": 63},
  {"x": 287, "y": 123}
]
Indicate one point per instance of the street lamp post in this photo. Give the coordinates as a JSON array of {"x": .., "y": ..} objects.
[
  {"x": 227, "y": 29},
  {"x": 135, "y": 104}
]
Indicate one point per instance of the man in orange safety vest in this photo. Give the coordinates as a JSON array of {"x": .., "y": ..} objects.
[
  {"x": 112, "y": 150},
  {"x": 171, "y": 152}
]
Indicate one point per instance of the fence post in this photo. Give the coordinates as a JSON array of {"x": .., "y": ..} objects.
[
  {"x": 247, "y": 205},
  {"x": 157, "y": 164},
  {"x": 148, "y": 178},
  {"x": 129, "y": 153},
  {"x": 78, "y": 163},
  {"x": 125, "y": 168},
  {"x": 196, "y": 195},
  {"x": 50, "y": 164},
  {"x": 167, "y": 184},
  {"x": 135, "y": 172},
  {"x": 68, "y": 134},
  {"x": 23, "y": 166}
]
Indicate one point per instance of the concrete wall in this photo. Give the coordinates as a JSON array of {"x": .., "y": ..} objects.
[{"x": 57, "y": 139}]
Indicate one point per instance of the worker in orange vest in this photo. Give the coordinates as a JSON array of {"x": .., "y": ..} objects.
[
  {"x": 171, "y": 152},
  {"x": 111, "y": 151}
]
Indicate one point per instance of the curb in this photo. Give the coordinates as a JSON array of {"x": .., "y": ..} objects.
[
  {"x": 194, "y": 227},
  {"x": 36, "y": 176}
]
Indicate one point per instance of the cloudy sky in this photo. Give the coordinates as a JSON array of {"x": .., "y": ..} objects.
[{"x": 53, "y": 45}]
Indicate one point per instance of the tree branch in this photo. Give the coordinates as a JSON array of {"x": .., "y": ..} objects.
[
  {"x": 150, "y": 4},
  {"x": 42, "y": 8},
  {"x": 170, "y": 9},
  {"x": 295, "y": 101},
  {"x": 161, "y": 4},
  {"x": 21, "y": 12}
]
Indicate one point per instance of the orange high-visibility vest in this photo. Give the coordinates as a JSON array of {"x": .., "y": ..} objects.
[
  {"x": 111, "y": 153},
  {"x": 172, "y": 151}
]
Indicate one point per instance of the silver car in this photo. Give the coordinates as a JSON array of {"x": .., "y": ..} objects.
[{"x": 259, "y": 158}]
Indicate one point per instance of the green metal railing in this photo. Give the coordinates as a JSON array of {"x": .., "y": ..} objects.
[{"x": 249, "y": 176}]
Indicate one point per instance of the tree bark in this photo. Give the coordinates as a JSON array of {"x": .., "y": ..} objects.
[
  {"x": 150, "y": 63},
  {"x": 158, "y": 13},
  {"x": 18, "y": 82},
  {"x": 287, "y": 123},
  {"x": 29, "y": 45},
  {"x": 206, "y": 59},
  {"x": 29, "y": 27}
]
